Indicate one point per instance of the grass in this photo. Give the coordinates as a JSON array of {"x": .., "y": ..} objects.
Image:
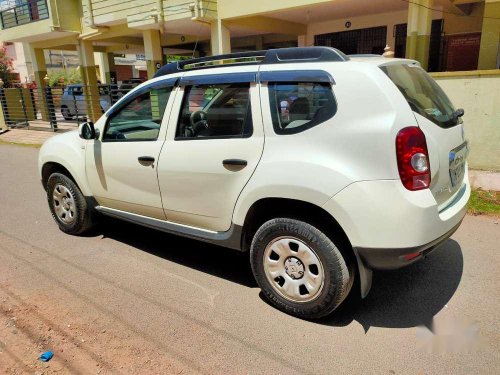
[{"x": 484, "y": 202}]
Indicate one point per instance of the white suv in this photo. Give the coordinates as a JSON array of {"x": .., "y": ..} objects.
[{"x": 322, "y": 166}]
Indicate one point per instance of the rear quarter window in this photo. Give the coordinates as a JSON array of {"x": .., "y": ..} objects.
[
  {"x": 422, "y": 93},
  {"x": 298, "y": 106}
]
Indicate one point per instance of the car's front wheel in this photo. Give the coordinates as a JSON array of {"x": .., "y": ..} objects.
[
  {"x": 299, "y": 268},
  {"x": 67, "y": 204}
]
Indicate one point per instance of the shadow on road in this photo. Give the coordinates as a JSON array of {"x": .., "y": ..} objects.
[
  {"x": 228, "y": 264},
  {"x": 403, "y": 298},
  {"x": 407, "y": 297}
]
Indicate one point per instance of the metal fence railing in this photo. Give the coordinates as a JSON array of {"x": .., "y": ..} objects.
[
  {"x": 26, "y": 12},
  {"x": 57, "y": 107}
]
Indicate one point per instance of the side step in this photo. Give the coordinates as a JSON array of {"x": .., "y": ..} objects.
[{"x": 231, "y": 238}]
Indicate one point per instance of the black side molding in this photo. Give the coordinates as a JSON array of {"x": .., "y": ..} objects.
[
  {"x": 391, "y": 259},
  {"x": 319, "y": 76},
  {"x": 230, "y": 238}
]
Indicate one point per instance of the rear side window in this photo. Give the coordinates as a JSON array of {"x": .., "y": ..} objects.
[
  {"x": 422, "y": 93},
  {"x": 215, "y": 111},
  {"x": 298, "y": 106}
]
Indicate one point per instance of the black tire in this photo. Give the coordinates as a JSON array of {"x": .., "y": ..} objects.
[
  {"x": 65, "y": 113},
  {"x": 338, "y": 274},
  {"x": 82, "y": 219}
]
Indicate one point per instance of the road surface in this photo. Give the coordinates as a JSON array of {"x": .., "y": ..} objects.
[{"x": 126, "y": 299}]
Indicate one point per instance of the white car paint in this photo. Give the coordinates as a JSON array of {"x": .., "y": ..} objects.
[{"x": 346, "y": 165}]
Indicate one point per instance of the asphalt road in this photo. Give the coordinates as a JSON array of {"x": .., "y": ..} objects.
[{"x": 127, "y": 299}]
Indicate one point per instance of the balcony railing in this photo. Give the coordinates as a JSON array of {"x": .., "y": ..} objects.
[{"x": 29, "y": 11}]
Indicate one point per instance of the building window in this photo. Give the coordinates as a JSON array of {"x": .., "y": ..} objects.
[{"x": 371, "y": 40}]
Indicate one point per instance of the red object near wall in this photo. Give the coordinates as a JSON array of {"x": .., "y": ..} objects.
[
  {"x": 123, "y": 72},
  {"x": 462, "y": 51},
  {"x": 143, "y": 74}
]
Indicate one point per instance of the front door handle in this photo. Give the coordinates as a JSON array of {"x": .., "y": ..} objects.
[
  {"x": 146, "y": 160},
  {"x": 236, "y": 162}
]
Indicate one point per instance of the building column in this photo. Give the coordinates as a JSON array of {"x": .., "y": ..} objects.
[
  {"x": 153, "y": 51},
  {"x": 390, "y": 38},
  {"x": 419, "y": 31},
  {"x": 135, "y": 72},
  {"x": 107, "y": 68},
  {"x": 89, "y": 76},
  {"x": 490, "y": 36},
  {"x": 259, "y": 43},
  {"x": 220, "y": 38},
  {"x": 26, "y": 51},
  {"x": 39, "y": 73},
  {"x": 302, "y": 41},
  {"x": 3, "y": 123}
]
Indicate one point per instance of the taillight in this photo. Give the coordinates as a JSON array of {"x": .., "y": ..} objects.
[{"x": 413, "y": 158}]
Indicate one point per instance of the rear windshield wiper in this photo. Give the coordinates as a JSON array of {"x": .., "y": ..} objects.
[{"x": 458, "y": 113}]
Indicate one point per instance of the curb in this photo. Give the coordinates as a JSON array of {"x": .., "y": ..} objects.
[{"x": 484, "y": 180}]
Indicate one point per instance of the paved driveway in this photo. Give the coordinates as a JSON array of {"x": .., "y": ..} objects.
[{"x": 125, "y": 299}]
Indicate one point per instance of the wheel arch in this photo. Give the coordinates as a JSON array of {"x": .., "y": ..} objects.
[
  {"x": 64, "y": 153},
  {"x": 52, "y": 167},
  {"x": 267, "y": 208}
]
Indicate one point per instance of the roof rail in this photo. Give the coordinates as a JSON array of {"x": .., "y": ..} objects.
[{"x": 272, "y": 56}]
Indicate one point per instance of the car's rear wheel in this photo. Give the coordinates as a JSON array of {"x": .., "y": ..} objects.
[
  {"x": 67, "y": 204},
  {"x": 299, "y": 269},
  {"x": 65, "y": 113}
]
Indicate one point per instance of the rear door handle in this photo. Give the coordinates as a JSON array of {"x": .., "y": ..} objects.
[
  {"x": 237, "y": 162},
  {"x": 146, "y": 160}
]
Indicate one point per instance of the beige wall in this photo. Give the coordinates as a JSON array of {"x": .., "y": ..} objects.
[
  {"x": 459, "y": 25},
  {"x": 239, "y": 8},
  {"x": 477, "y": 93}
]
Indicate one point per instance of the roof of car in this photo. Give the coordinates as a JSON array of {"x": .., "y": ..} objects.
[
  {"x": 275, "y": 56},
  {"x": 272, "y": 56},
  {"x": 377, "y": 59}
]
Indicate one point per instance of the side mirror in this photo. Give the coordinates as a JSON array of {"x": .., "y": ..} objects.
[{"x": 87, "y": 131}]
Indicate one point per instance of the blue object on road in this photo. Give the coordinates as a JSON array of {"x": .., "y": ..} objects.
[{"x": 47, "y": 356}]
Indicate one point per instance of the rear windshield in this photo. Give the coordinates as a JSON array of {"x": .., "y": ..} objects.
[{"x": 422, "y": 93}]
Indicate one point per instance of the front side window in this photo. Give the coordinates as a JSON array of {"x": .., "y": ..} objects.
[
  {"x": 298, "y": 106},
  {"x": 215, "y": 111},
  {"x": 422, "y": 93},
  {"x": 140, "y": 118}
]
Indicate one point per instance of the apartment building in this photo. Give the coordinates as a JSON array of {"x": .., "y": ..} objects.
[{"x": 444, "y": 35}]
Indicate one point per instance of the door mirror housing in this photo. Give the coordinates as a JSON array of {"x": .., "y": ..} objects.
[{"x": 88, "y": 131}]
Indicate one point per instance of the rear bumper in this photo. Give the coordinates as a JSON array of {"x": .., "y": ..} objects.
[
  {"x": 390, "y": 259},
  {"x": 391, "y": 227}
]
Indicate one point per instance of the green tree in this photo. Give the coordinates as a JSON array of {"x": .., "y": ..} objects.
[
  {"x": 5, "y": 66},
  {"x": 63, "y": 77}
]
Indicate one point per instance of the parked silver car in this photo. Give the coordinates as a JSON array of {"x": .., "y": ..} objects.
[{"x": 73, "y": 103}]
